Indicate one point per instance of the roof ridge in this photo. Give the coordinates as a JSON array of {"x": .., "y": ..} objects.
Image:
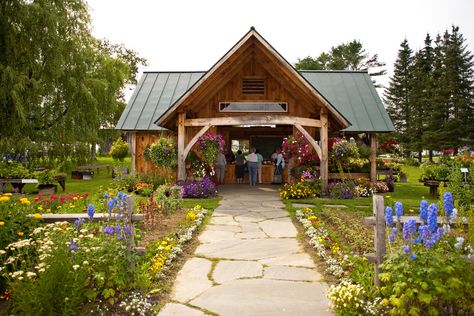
[
  {"x": 335, "y": 71},
  {"x": 172, "y": 71}
]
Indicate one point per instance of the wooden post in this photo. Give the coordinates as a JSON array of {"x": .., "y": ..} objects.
[
  {"x": 130, "y": 206},
  {"x": 373, "y": 157},
  {"x": 324, "y": 149},
  {"x": 181, "y": 136},
  {"x": 379, "y": 236},
  {"x": 134, "y": 150}
]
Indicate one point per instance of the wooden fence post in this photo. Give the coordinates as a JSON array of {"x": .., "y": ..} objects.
[
  {"x": 380, "y": 247},
  {"x": 130, "y": 206}
]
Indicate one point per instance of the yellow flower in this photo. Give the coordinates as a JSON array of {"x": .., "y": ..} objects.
[
  {"x": 59, "y": 206},
  {"x": 197, "y": 207},
  {"x": 24, "y": 201},
  {"x": 40, "y": 208},
  {"x": 411, "y": 211},
  {"x": 2, "y": 223},
  {"x": 7, "y": 194},
  {"x": 4, "y": 199},
  {"x": 20, "y": 233},
  {"x": 37, "y": 216},
  {"x": 48, "y": 210},
  {"x": 190, "y": 216},
  {"x": 75, "y": 198}
]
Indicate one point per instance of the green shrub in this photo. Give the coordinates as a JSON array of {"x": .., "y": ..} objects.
[
  {"x": 119, "y": 149},
  {"x": 431, "y": 171},
  {"x": 411, "y": 162},
  {"x": 301, "y": 190}
]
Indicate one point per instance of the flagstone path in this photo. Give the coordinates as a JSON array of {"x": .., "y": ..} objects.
[{"x": 249, "y": 262}]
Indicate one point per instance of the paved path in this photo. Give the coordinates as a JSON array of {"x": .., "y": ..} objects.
[{"x": 249, "y": 263}]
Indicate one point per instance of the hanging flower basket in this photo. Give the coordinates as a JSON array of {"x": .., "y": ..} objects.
[
  {"x": 209, "y": 145},
  {"x": 163, "y": 153}
]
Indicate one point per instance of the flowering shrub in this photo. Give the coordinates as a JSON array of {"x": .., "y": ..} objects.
[
  {"x": 170, "y": 197},
  {"x": 199, "y": 189},
  {"x": 342, "y": 190},
  {"x": 348, "y": 297},
  {"x": 210, "y": 145},
  {"x": 84, "y": 262},
  {"x": 163, "y": 153},
  {"x": 14, "y": 221},
  {"x": 67, "y": 203},
  {"x": 380, "y": 187},
  {"x": 390, "y": 146},
  {"x": 300, "y": 190},
  {"x": 162, "y": 253},
  {"x": 144, "y": 189},
  {"x": 433, "y": 259}
]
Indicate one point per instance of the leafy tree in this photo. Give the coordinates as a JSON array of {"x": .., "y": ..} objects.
[
  {"x": 58, "y": 84},
  {"x": 346, "y": 56}
]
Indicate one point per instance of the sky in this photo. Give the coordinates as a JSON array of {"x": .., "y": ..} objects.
[{"x": 188, "y": 35}]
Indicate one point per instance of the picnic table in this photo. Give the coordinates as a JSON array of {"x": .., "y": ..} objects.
[
  {"x": 17, "y": 184},
  {"x": 94, "y": 167}
]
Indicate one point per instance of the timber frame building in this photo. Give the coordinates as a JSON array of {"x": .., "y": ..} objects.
[{"x": 252, "y": 93}]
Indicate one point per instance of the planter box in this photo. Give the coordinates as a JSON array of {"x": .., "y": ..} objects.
[{"x": 82, "y": 175}]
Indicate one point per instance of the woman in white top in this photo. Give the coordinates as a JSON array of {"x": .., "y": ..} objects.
[{"x": 252, "y": 160}]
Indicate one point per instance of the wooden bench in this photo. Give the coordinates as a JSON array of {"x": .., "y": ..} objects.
[
  {"x": 17, "y": 184},
  {"x": 86, "y": 172}
]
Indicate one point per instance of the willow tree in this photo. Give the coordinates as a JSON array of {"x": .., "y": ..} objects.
[{"x": 58, "y": 84}]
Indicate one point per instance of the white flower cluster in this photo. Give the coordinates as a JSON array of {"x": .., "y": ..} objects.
[
  {"x": 137, "y": 304},
  {"x": 315, "y": 235}
]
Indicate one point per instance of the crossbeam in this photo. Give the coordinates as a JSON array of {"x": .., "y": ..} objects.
[{"x": 253, "y": 120}]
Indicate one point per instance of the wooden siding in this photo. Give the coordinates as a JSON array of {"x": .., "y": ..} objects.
[{"x": 142, "y": 165}]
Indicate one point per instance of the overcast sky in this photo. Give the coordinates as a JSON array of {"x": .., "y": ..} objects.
[{"x": 194, "y": 34}]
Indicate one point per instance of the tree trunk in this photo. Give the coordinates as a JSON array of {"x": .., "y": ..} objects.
[
  {"x": 93, "y": 151},
  {"x": 431, "y": 155},
  {"x": 420, "y": 157}
]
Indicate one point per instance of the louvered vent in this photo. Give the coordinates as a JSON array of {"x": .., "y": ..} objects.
[{"x": 253, "y": 86}]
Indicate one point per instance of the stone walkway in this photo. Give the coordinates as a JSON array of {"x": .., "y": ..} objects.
[{"x": 249, "y": 262}]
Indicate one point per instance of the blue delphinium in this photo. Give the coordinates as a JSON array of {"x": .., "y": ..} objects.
[
  {"x": 448, "y": 204},
  {"x": 106, "y": 196},
  {"x": 424, "y": 211},
  {"x": 409, "y": 228},
  {"x": 389, "y": 216},
  {"x": 109, "y": 230},
  {"x": 391, "y": 238},
  {"x": 406, "y": 249},
  {"x": 78, "y": 223},
  {"x": 412, "y": 256},
  {"x": 90, "y": 211},
  {"x": 120, "y": 195},
  {"x": 398, "y": 210},
  {"x": 432, "y": 217},
  {"x": 424, "y": 232},
  {"x": 111, "y": 204},
  {"x": 73, "y": 247}
]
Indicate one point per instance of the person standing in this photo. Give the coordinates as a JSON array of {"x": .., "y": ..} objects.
[
  {"x": 252, "y": 160},
  {"x": 259, "y": 166},
  {"x": 221, "y": 164},
  {"x": 279, "y": 165},
  {"x": 239, "y": 166}
]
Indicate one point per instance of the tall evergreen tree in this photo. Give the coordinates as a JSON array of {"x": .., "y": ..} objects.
[{"x": 398, "y": 93}]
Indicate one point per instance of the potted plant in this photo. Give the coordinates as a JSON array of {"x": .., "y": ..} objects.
[
  {"x": 163, "y": 153},
  {"x": 46, "y": 182}
]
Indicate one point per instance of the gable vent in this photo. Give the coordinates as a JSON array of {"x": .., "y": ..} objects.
[{"x": 253, "y": 86}]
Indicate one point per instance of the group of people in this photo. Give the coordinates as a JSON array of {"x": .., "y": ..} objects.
[{"x": 254, "y": 163}]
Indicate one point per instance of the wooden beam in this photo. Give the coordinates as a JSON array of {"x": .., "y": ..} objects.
[
  {"x": 194, "y": 140},
  {"x": 310, "y": 140},
  {"x": 253, "y": 120},
  {"x": 134, "y": 150},
  {"x": 380, "y": 248},
  {"x": 373, "y": 157},
  {"x": 181, "y": 136},
  {"x": 324, "y": 148}
]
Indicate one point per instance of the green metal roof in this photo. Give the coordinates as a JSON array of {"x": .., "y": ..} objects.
[
  {"x": 352, "y": 93},
  {"x": 154, "y": 94}
]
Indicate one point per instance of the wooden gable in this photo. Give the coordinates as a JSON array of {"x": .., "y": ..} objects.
[{"x": 252, "y": 71}]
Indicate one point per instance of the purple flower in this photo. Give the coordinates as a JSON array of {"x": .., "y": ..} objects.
[
  {"x": 424, "y": 232},
  {"x": 412, "y": 256},
  {"x": 106, "y": 196},
  {"x": 398, "y": 210},
  {"x": 73, "y": 247},
  {"x": 120, "y": 195},
  {"x": 391, "y": 238},
  {"x": 448, "y": 204},
  {"x": 78, "y": 223},
  {"x": 406, "y": 249},
  {"x": 128, "y": 230},
  {"x": 90, "y": 210},
  {"x": 409, "y": 228},
  {"x": 111, "y": 204},
  {"x": 109, "y": 230},
  {"x": 432, "y": 217},
  {"x": 424, "y": 211},
  {"x": 388, "y": 216}
]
